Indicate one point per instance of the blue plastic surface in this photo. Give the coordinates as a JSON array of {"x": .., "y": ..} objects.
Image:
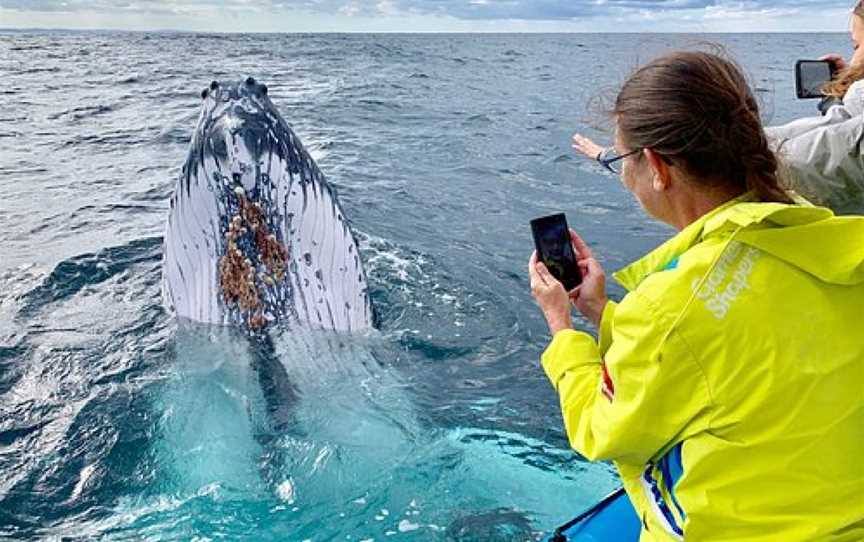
[{"x": 616, "y": 520}]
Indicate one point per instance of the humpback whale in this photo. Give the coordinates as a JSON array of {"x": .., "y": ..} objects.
[
  {"x": 256, "y": 237},
  {"x": 256, "y": 248}
]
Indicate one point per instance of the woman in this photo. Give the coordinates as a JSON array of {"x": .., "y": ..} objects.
[
  {"x": 824, "y": 154},
  {"x": 853, "y": 72},
  {"x": 727, "y": 384}
]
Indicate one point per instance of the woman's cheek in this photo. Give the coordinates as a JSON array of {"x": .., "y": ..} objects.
[
  {"x": 858, "y": 57},
  {"x": 626, "y": 177}
]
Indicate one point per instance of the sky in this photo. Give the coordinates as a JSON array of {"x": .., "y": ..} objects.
[{"x": 432, "y": 15}]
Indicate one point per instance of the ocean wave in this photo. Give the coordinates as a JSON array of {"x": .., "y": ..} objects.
[
  {"x": 71, "y": 276},
  {"x": 117, "y": 139},
  {"x": 82, "y": 112},
  {"x": 30, "y": 71}
]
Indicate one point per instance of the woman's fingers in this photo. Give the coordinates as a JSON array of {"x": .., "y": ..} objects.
[
  {"x": 540, "y": 277},
  {"x": 582, "y": 141},
  {"x": 590, "y": 267},
  {"x": 545, "y": 275},
  {"x": 586, "y": 146},
  {"x": 534, "y": 277},
  {"x": 539, "y": 273},
  {"x": 581, "y": 248},
  {"x": 594, "y": 267},
  {"x": 836, "y": 60}
]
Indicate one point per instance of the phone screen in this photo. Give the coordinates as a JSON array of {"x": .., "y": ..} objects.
[
  {"x": 811, "y": 76},
  {"x": 554, "y": 249}
]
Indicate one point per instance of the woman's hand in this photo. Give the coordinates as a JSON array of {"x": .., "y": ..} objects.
[
  {"x": 590, "y": 296},
  {"x": 837, "y": 62},
  {"x": 550, "y": 295},
  {"x": 587, "y": 147}
]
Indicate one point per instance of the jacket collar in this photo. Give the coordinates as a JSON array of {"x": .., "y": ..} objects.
[
  {"x": 735, "y": 213},
  {"x": 749, "y": 221}
]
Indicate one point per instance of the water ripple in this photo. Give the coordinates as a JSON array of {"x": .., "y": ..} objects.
[{"x": 71, "y": 276}]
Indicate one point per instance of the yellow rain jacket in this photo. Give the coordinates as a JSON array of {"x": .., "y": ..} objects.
[{"x": 728, "y": 384}]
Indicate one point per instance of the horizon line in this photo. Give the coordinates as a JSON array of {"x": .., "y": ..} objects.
[{"x": 491, "y": 32}]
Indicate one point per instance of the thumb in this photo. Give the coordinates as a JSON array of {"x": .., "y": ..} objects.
[{"x": 544, "y": 273}]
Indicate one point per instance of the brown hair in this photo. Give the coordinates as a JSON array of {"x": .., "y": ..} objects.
[
  {"x": 696, "y": 110},
  {"x": 838, "y": 86}
]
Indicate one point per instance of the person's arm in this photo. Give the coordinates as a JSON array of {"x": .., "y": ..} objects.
[
  {"x": 826, "y": 162},
  {"x": 628, "y": 402}
]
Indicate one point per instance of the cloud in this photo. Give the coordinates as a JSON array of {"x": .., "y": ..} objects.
[
  {"x": 133, "y": 6},
  {"x": 436, "y": 15},
  {"x": 549, "y": 10},
  {"x": 544, "y": 9}
]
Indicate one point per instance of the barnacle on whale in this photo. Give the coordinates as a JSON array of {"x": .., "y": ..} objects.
[
  {"x": 237, "y": 271},
  {"x": 235, "y": 276},
  {"x": 257, "y": 320},
  {"x": 271, "y": 252}
]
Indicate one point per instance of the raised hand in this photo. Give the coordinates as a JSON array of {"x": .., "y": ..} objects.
[{"x": 586, "y": 146}]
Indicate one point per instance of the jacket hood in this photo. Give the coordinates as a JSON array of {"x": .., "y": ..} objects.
[{"x": 812, "y": 239}]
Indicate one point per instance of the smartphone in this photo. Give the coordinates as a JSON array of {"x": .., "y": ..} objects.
[
  {"x": 555, "y": 250},
  {"x": 811, "y": 76}
]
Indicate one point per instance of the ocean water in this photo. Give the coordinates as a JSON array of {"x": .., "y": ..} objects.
[{"x": 116, "y": 425}]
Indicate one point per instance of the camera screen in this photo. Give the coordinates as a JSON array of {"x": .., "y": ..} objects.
[
  {"x": 553, "y": 247},
  {"x": 553, "y": 240},
  {"x": 812, "y": 76}
]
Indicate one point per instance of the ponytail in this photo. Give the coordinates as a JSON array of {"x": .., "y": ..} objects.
[{"x": 760, "y": 164}]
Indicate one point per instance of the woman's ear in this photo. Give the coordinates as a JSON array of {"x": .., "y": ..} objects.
[{"x": 661, "y": 176}]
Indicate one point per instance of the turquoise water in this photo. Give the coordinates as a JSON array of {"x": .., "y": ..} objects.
[{"x": 117, "y": 425}]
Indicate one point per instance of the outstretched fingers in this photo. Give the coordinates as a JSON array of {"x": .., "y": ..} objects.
[{"x": 586, "y": 146}]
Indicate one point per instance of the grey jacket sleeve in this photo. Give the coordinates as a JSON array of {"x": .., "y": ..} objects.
[{"x": 824, "y": 156}]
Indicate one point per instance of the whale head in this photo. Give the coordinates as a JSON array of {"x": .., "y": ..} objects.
[{"x": 255, "y": 235}]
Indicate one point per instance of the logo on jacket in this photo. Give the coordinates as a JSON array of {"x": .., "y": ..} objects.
[{"x": 724, "y": 285}]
